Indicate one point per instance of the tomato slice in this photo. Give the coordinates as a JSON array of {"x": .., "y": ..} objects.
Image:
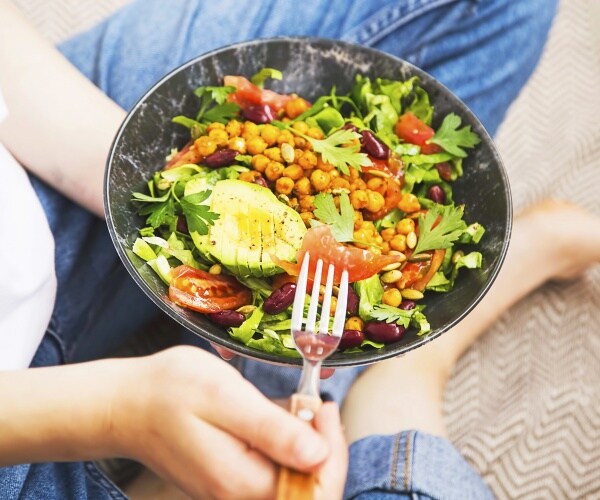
[
  {"x": 248, "y": 94},
  {"x": 321, "y": 244},
  {"x": 416, "y": 275},
  {"x": 206, "y": 293},
  {"x": 187, "y": 155},
  {"x": 410, "y": 129}
]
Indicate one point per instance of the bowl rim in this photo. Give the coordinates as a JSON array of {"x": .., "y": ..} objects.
[{"x": 367, "y": 357}]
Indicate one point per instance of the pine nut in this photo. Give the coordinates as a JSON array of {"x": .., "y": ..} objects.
[
  {"x": 247, "y": 309},
  {"x": 411, "y": 239},
  {"x": 287, "y": 152},
  {"x": 411, "y": 294},
  {"x": 391, "y": 276},
  {"x": 392, "y": 266}
]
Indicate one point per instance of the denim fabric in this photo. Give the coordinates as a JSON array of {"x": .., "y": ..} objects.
[{"x": 483, "y": 50}]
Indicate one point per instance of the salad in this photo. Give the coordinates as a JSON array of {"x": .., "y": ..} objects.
[{"x": 362, "y": 180}]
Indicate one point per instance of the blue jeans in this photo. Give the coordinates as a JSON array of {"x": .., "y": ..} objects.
[{"x": 483, "y": 50}]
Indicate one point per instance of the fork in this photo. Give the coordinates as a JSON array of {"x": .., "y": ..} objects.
[{"x": 314, "y": 346}]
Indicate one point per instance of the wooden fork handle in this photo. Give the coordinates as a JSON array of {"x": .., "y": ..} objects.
[{"x": 294, "y": 485}]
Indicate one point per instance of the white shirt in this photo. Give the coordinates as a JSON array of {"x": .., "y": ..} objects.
[{"x": 27, "y": 278}]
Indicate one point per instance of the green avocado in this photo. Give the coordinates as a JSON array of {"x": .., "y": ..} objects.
[{"x": 252, "y": 225}]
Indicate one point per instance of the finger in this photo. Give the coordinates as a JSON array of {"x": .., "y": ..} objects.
[
  {"x": 206, "y": 462},
  {"x": 327, "y": 372},
  {"x": 226, "y": 354},
  {"x": 332, "y": 474},
  {"x": 239, "y": 408}
]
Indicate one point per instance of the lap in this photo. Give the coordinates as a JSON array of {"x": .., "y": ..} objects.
[{"x": 482, "y": 50}]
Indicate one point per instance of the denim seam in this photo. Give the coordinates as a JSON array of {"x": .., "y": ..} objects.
[
  {"x": 389, "y": 20},
  {"x": 407, "y": 459},
  {"x": 393, "y": 479},
  {"x": 99, "y": 478}
]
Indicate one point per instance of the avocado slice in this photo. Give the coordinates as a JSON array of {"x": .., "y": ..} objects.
[{"x": 252, "y": 224}]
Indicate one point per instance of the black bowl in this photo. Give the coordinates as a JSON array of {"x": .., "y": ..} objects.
[{"x": 310, "y": 67}]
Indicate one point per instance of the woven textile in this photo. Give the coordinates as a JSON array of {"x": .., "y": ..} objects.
[{"x": 524, "y": 403}]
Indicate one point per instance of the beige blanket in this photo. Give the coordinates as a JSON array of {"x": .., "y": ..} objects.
[{"x": 524, "y": 403}]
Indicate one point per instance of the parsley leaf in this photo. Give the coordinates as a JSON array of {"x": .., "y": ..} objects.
[
  {"x": 342, "y": 223},
  {"x": 453, "y": 139},
  {"x": 259, "y": 78},
  {"x": 159, "y": 213},
  {"x": 333, "y": 151},
  {"x": 389, "y": 314},
  {"x": 209, "y": 96},
  {"x": 198, "y": 216},
  {"x": 442, "y": 235}
]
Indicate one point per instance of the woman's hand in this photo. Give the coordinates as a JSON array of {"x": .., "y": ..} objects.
[
  {"x": 198, "y": 423},
  {"x": 183, "y": 412}
]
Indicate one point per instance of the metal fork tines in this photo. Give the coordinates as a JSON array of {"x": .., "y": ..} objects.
[{"x": 313, "y": 345}]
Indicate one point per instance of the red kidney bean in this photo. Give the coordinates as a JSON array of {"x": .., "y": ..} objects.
[
  {"x": 374, "y": 146},
  {"x": 221, "y": 158},
  {"x": 445, "y": 171},
  {"x": 380, "y": 331},
  {"x": 407, "y": 305},
  {"x": 182, "y": 226},
  {"x": 436, "y": 193},
  {"x": 227, "y": 318},
  {"x": 280, "y": 299},
  {"x": 352, "y": 304},
  {"x": 351, "y": 338},
  {"x": 350, "y": 126},
  {"x": 260, "y": 180},
  {"x": 261, "y": 113}
]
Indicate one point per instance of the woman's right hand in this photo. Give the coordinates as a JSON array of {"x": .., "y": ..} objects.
[{"x": 199, "y": 424}]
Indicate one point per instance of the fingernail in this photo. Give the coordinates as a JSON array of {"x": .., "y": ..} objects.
[{"x": 312, "y": 450}]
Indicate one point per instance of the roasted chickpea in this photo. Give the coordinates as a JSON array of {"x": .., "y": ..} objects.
[
  {"x": 339, "y": 183},
  {"x": 300, "y": 142},
  {"x": 308, "y": 160},
  {"x": 314, "y": 133},
  {"x": 250, "y": 130},
  {"x": 205, "y": 145},
  {"x": 250, "y": 176},
  {"x": 303, "y": 186},
  {"x": 270, "y": 133},
  {"x": 409, "y": 203},
  {"x": 398, "y": 242},
  {"x": 295, "y": 107},
  {"x": 388, "y": 233},
  {"x": 273, "y": 154},
  {"x": 354, "y": 323},
  {"x": 234, "y": 128},
  {"x": 301, "y": 127},
  {"x": 358, "y": 199},
  {"x": 255, "y": 145},
  {"x": 320, "y": 180},
  {"x": 285, "y": 136},
  {"x": 405, "y": 226},
  {"x": 375, "y": 201},
  {"x": 358, "y": 219},
  {"x": 322, "y": 165},
  {"x": 215, "y": 126},
  {"x": 274, "y": 170},
  {"x": 260, "y": 162},
  {"x": 237, "y": 143},
  {"x": 307, "y": 217},
  {"x": 293, "y": 171},
  {"x": 284, "y": 185},
  {"x": 219, "y": 136},
  {"x": 377, "y": 184},
  {"x": 392, "y": 297},
  {"x": 307, "y": 202}
]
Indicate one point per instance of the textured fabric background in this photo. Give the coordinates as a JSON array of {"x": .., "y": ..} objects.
[{"x": 524, "y": 403}]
